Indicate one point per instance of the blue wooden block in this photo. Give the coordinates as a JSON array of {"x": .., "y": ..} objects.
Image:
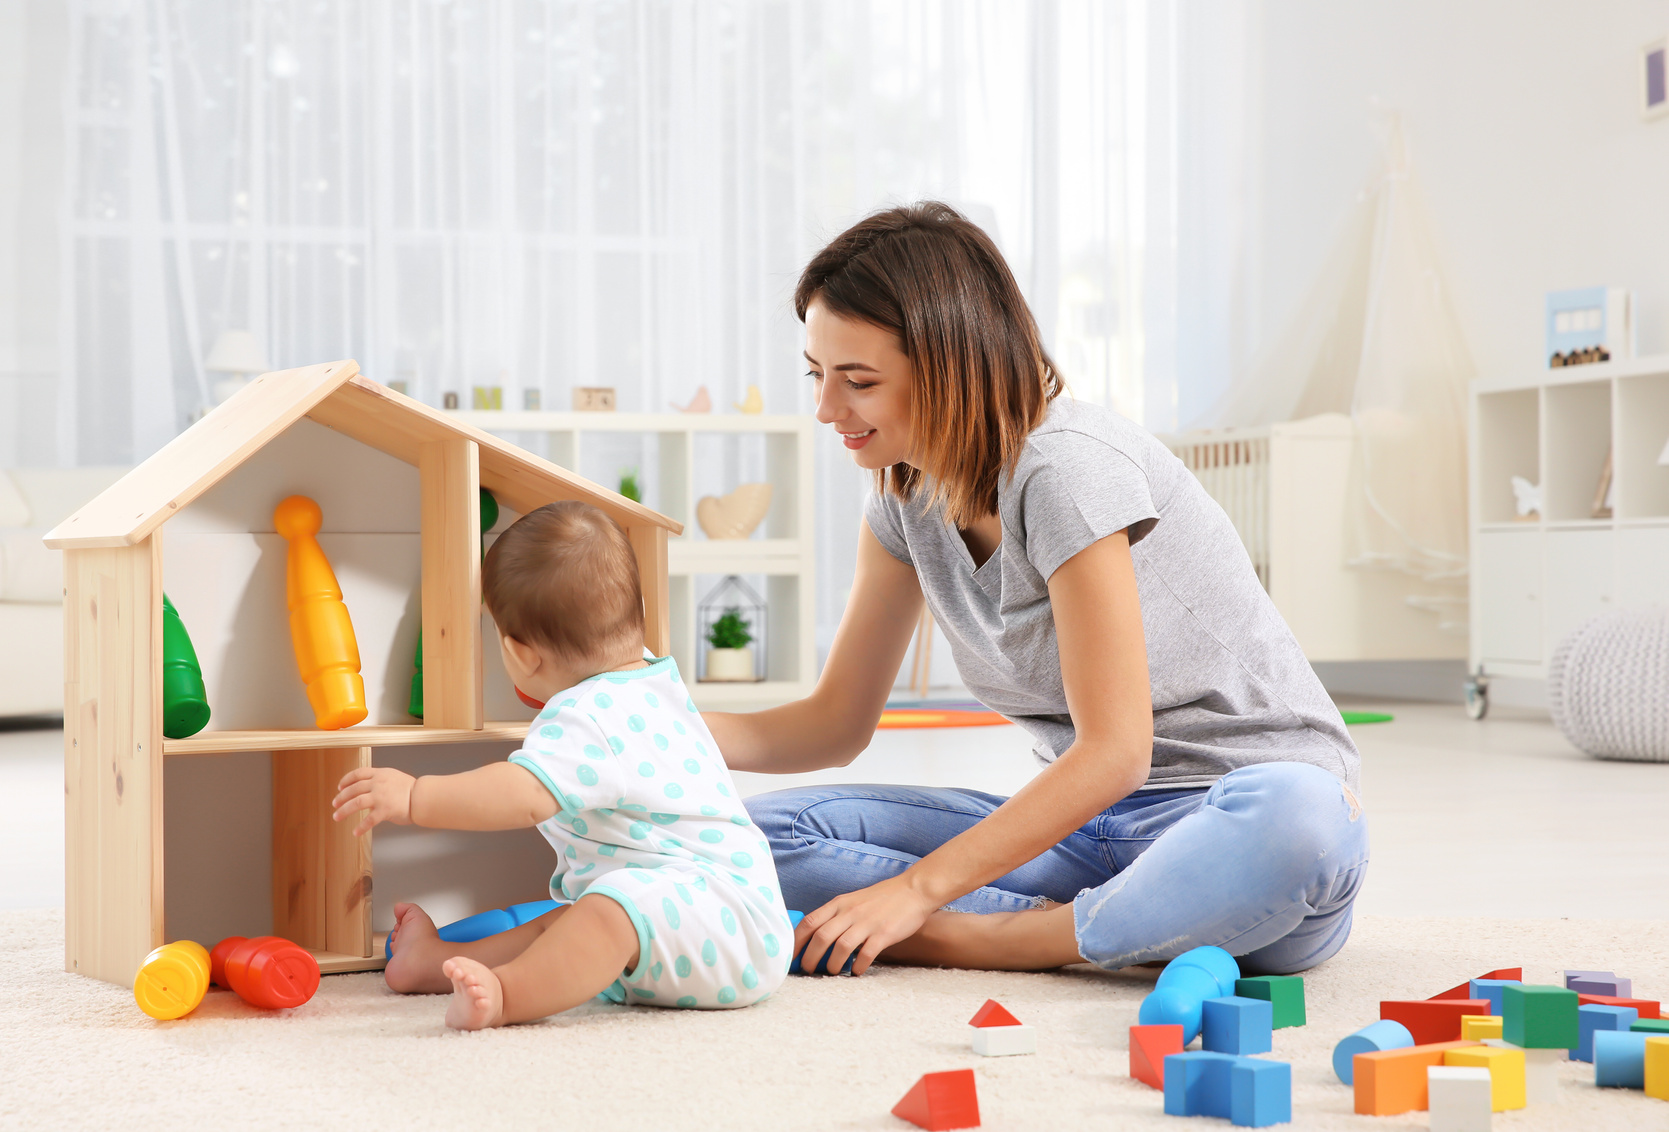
[
  {"x": 1590, "y": 1019},
  {"x": 1260, "y": 1092},
  {"x": 1491, "y": 989},
  {"x": 1197, "y": 1083},
  {"x": 1619, "y": 1059},
  {"x": 1384, "y": 1034},
  {"x": 1237, "y": 1025}
]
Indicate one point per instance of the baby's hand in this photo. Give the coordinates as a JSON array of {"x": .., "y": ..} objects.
[{"x": 381, "y": 791}]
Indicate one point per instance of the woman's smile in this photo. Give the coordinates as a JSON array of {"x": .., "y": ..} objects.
[{"x": 856, "y": 440}]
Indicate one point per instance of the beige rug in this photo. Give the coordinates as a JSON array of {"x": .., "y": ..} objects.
[{"x": 822, "y": 1054}]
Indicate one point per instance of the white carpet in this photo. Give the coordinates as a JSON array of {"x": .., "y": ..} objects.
[{"x": 822, "y": 1054}]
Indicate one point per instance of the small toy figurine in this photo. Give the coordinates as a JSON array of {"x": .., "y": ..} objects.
[
  {"x": 753, "y": 402},
  {"x": 702, "y": 402}
]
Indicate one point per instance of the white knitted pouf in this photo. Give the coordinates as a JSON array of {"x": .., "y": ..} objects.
[{"x": 1608, "y": 685}]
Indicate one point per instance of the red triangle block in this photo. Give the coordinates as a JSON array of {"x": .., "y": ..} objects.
[
  {"x": 1149, "y": 1045},
  {"x": 993, "y": 1014},
  {"x": 1464, "y": 990},
  {"x": 941, "y": 1101}
]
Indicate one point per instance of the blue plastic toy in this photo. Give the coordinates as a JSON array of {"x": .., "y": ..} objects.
[
  {"x": 1620, "y": 1059},
  {"x": 1491, "y": 989},
  {"x": 1384, "y": 1034},
  {"x": 1594, "y": 1018},
  {"x": 1184, "y": 985},
  {"x": 1248, "y": 1091},
  {"x": 483, "y": 924},
  {"x": 1236, "y": 1025},
  {"x": 794, "y": 967}
]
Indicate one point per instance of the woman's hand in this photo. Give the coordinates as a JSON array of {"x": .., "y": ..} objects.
[
  {"x": 865, "y": 922},
  {"x": 382, "y": 792}
]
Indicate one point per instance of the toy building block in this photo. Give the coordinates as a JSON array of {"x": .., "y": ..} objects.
[
  {"x": 1178, "y": 998},
  {"x": 941, "y": 1101},
  {"x": 1592, "y": 1018},
  {"x": 172, "y": 980},
  {"x": 185, "y": 705},
  {"x": 1491, "y": 989},
  {"x": 1197, "y": 1083},
  {"x": 1650, "y": 1026},
  {"x": 1433, "y": 1020},
  {"x": 1506, "y": 1073},
  {"x": 1477, "y": 1027},
  {"x": 1260, "y": 1092},
  {"x": 1004, "y": 1041},
  {"x": 1647, "y": 1007},
  {"x": 1656, "y": 1070},
  {"x": 1378, "y": 1037},
  {"x": 1620, "y": 1059},
  {"x": 1284, "y": 993},
  {"x": 1248, "y": 1091},
  {"x": 1539, "y": 1017},
  {"x": 1459, "y": 1098},
  {"x": 1610, "y": 986},
  {"x": 1541, "y": 1070},
  {"x": 1464, "y": 990},
  {"x": 993, "y": 1013},
  {"x": 1391, "y": 1081},
  {"x": 1237, "y": 1025},
  {"x": 1573, "y": 976},
  {"x": 1149, "y": 1046}
]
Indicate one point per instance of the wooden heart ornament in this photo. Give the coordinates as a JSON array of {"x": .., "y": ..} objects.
[{"x": 734, "y": 515}]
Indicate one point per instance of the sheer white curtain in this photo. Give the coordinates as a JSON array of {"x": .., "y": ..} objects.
[{"x": 620, "y": 192}]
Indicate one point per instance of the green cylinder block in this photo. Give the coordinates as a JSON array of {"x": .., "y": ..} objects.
[
  {"x": 185, "y": 704},
  {"x": 489, "y": 516}
]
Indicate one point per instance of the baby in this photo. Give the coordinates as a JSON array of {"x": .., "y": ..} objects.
[{"x": 671, "y": 895}]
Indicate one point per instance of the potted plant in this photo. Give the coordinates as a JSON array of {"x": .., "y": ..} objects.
[{"x": 729, "y": 657}]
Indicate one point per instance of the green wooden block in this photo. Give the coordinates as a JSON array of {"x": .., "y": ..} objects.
[
  {"x": 1651, "y": 1026},
  {"x": 1284, "y": 993},
  {"x": 1539, "y": 1017}
]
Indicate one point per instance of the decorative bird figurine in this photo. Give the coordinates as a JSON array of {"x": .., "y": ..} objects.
[
  {"x": 702, "y": 402},
  {"x": 753, "y": 402}
]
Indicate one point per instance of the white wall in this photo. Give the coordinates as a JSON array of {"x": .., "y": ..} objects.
[{"x": 1523, "y": 123}]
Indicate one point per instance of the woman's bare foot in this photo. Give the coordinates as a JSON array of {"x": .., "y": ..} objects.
[
  {"x": 477, "y": 995},
  {"x": 1038, "y": 940},
  {"x": 415, "y": 967}
]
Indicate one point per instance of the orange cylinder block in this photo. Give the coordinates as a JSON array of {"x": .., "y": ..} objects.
[
  {"x": 326, "y": 652},
  {"x": 270, "y": 972}
]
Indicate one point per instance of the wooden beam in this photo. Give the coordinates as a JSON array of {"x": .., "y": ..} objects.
[
  {"x": 649, "y": 544},
  {"x": 309, "y": 739},
  {"x": 112, "y": 759},
  {"x": 449, "y": 472},
  {"x": 321, "y": 872}
]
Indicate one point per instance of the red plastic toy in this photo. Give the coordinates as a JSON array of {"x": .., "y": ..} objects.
[
  {"x": 1464, "y": 990},
  {"x": 941, "y": 1101},
  {"x": 1149, "y": 1046},
  {"x": 536, "y": 705},
  {"x": 266, "y": 971},
  {"x": 1433, "y": 1019},
  {"x": 993, "y": 1013}
]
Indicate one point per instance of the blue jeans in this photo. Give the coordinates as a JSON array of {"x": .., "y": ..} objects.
[{"x": 1266, "y": 862}]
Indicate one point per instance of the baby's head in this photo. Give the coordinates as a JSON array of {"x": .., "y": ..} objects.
[{"x": 563, "y": 582}]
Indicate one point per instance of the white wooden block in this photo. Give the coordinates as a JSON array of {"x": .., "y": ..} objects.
[
  {"x": 1004, "y": 1041},
  {"x": 1541, "y": 1071},
  {"x": 1459, "y": 1098}
]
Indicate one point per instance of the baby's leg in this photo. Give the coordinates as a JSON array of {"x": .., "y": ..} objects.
[
  {"x": 573, "y": 961},
  {"x": 415, "y": 967}
]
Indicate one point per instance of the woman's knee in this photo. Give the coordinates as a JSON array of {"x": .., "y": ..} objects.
[
  {"x": 1309, "y": 812},
  {"x": 774, "y": 813}
]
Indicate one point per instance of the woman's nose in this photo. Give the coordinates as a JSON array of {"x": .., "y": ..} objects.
[{"x": 829, "y": 409}]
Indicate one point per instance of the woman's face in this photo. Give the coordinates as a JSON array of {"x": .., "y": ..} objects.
[{"x": 862, "y": 386}]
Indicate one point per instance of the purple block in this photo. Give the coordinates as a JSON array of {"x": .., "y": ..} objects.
[
  {"x": 1610, "y": 986},
  {"x": 1571, "y": 976}
]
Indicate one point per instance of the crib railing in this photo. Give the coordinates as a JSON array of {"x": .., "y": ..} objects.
[{"x": 1233, "y": 467}]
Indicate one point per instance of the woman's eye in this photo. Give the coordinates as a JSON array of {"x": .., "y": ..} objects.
[
  {"x": 859, "y": 385},
  {"x": 814, "y": 375}
]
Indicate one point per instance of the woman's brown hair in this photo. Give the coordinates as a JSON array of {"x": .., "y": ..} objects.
[{"x": 982, "y": 380}]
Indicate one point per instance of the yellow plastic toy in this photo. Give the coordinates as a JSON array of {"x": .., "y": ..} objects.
[
  {"x": 172, "y": 980},
  {"x": 326, "y": 652}
]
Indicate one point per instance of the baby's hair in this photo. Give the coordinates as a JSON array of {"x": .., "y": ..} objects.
[{"x": 564, "y": 578}]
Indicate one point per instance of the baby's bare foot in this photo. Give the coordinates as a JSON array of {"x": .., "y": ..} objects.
[
  {"x": 418, "y": 954},
  {"x": 477, "y": 995}
]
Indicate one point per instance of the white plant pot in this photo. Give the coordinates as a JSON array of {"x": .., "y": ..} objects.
[{"x": 729, "y": 665}]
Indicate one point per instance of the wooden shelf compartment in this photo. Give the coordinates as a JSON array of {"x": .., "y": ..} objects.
[
  {"x": 336, "y": 963},
  {"x": 399, "y": 735}
]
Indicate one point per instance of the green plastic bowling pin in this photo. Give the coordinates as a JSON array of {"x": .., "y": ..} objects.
[{"x": 185, "y": 705}]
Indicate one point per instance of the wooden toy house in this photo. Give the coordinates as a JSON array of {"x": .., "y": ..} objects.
[{"x": 398, "y": 483}]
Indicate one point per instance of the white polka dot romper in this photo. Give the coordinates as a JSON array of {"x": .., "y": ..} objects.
[{"x": 649, "y": 817}]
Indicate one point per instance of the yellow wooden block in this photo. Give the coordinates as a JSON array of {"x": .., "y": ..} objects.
[
  {"x": 1506, "y": 1073},
  {"x": 1657, "y": 1067},
  {"x": 1477, "y": 1027}
]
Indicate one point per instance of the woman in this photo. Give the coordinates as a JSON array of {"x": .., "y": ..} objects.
[{"x": 1197, "y": 782}]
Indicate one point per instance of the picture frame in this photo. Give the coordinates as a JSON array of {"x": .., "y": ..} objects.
[{"x": 1654, "y": 79}]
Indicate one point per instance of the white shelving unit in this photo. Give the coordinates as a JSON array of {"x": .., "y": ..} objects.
[
  {"x": 1534, "y": 580},
  {"x": 781, "y": 549}
]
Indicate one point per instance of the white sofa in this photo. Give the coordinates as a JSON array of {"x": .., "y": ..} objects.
[{"x": 32, "y": 502}]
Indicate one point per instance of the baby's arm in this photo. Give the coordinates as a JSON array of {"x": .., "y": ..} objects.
[{"x": 492, "y": 797}]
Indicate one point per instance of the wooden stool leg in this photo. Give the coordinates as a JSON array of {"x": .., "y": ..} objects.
[{"x": 321, "y": 872}]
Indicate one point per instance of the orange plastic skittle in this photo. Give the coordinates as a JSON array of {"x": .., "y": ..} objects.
[{"x": 326, "y": 652}]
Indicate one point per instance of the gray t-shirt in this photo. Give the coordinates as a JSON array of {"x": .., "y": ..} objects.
[{"x": 1231, "y": 687}]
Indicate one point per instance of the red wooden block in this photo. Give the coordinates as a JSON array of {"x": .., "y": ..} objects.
[
  {"x": 941, "y": 1101},
  {"x": 1464, "y": 990},
  {"x": 993, "y": 1014},
  {"x": 1646, "y": 1007},
  {"x": 1433, "y": 1019},
  {"x": 1149, "y": 1046}
]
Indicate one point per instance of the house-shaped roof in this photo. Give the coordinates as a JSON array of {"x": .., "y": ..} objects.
[{"x": 337, "y": 396}]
